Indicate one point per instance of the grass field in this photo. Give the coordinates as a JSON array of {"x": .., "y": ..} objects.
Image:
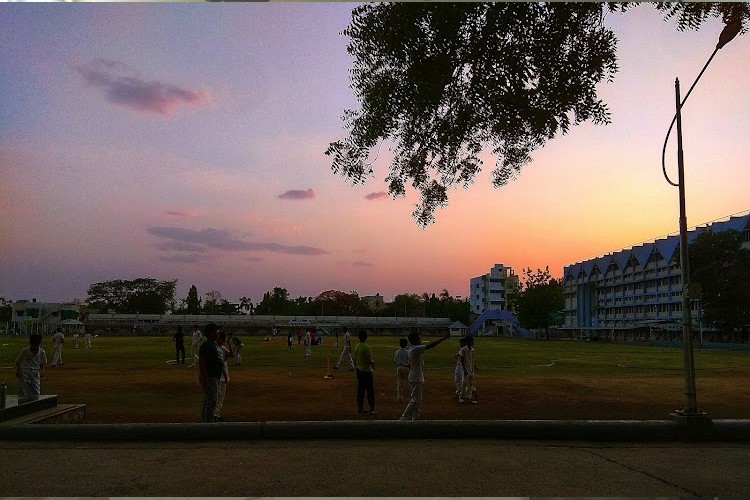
[{"x": 127, "y": 379}]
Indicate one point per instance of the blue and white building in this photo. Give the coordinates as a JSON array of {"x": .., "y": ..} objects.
[{"x": 636, "y": 286}]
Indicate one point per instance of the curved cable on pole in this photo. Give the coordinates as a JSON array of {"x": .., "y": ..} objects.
[{"x": 666, "y": 139}]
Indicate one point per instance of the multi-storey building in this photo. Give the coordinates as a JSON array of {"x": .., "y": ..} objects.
[
  {"x": 374, "y": 303},
  {"x": 636, "y": 286},
  {"x": 489, "y": 291},
  {"x": 43, "y": 317}
]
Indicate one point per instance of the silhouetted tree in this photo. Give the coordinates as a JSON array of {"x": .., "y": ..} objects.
[
  {"x": 539, "y": 300},
  {"x": 338, "y": 303},
  {"x": 140, "y": 295},
  {"x": 721, "y": 266},
  {"x": 443, "y": 81},
  {"x": 212, "y": 303},
  {"x": 193, "y": 301},
  {"x": 276, "y": 302}
]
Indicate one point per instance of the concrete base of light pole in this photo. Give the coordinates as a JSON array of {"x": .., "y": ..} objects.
[{"x": 695, "y": 424}]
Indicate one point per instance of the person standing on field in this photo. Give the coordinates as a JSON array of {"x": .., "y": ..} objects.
[
  {"x": 364, "y": 364},
  {"x": 458, "y": 373},
  {"x": 346, "y": 354},
  {"x": 210, "y": 371},
  {"x": 224, "y": 354},
  {"x": 308, "y": 343},
  {"x": 467, "y": 356},
  {"x": 401, "y": 360},
  {"x": 416, "y": 373},
  {"x": 289, "y": 340},
  {"x": 87, "y": 340},
  {"x": 179, "y": 343},
  {"x": 29, "y": 368},
  {"x": 235, "y": 347},
  {"x": 58, "y": 339},
  {"x": 197, "y": 336},
  {"x": 75, "y": 340}
]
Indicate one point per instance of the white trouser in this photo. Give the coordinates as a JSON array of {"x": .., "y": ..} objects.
[
  {"x": 28, "y": 385},
  {"x": 414, "y": 408},
  {"x": 220, "y": 397},
  {"x": 346, "y": 354},
  {"x": 402, "y": 380},
  {"x": 458, "y": 378},
  {"x": 193, "y": 354},
  {"x": 467, "y": 385},
  {"x": 58, "y": 355}
]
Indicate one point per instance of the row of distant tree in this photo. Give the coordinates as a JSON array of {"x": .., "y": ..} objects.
[
  {"x": 718, "y": 262},
  {"x": 152, "y": 296},
  {"x": 538, "y": 301}
]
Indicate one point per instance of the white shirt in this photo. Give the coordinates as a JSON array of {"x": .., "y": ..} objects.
[
  {"x": 347, "y": 340},
  {"x": 58, "y": 338},
  {"x": 28, "y": 361},
  {"x": 401, "y": 357},
  {"x": 467, "y": 353},
  {"x": 416, "y": 363},
  {"x": 197, "y": 336}
]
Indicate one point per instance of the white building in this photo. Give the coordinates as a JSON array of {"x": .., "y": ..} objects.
[
  {"x": 635, "y": 286},
  {"x": 490, "y": 290},
  {"x": 44, "y": 317}
]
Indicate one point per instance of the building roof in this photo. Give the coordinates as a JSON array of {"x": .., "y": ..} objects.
[{"x": 666, "y": 246}]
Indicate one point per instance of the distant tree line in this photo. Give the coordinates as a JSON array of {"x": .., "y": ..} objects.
[{"x": 152, "y": 296}]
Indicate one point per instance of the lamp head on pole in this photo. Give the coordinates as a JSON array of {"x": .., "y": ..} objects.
[{"x": 729, "y": 32}]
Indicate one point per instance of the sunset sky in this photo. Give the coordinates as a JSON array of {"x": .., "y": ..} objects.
[{"x": 185, "y": 141}]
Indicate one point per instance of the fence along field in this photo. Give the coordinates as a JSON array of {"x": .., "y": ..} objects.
[{"x": 128, "y": 379}]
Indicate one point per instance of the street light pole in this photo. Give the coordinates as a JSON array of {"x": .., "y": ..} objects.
[{"x": 691, "y": 404}]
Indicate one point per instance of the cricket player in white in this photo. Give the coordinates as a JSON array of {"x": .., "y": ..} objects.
[
  {"x": 197, "y": 336},
  {"x": 347, "y": 352},
  {"x": 401, "y": 360},
  {"x": 58, "y": 338},
  {"x": 416, "y": 374},
  {"x": 466, "y": 355},
  {"x": 308, "y": 343},
  {"x": 29, "y": 367}
]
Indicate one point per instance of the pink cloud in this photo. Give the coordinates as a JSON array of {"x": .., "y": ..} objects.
[
  {"x": 220, "y": 239},
  {"x": 298, "y": 194},
  {"x": 123, "y": 86},
  {"x": 379, "y": 195},
  {"x": 181, "y": 213}
]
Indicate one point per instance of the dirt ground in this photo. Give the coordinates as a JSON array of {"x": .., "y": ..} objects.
[{"x": 258, "y": 394}]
